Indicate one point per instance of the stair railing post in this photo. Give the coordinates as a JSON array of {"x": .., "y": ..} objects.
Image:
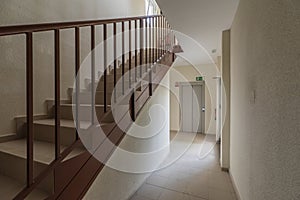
[
  {"x": 105, "y": 66},
  {"x": 123, "y": 57},
  {"x": 157, "y": 38},
  {"x": 153, "y": 39},
  {"x": 146, "y": 43},
  {"x": 136, "y": 49},
  {"x": 161, "y": 36},
  {"x": 57, "y": 92},
  {"x": 115, "y": 59},
  {"x": 166, "y": 35},
  {"x": 132, "y": 106},
  {"x": 29, "y": 106},
  {"x": 93, "y": 74},
  {"x": 151, "y": 54},
  {"x": 77, "y": 66},
  {"x": 141, "y": 47},
  {"x": 129, "y": 50},
  {"x": 150, "y": 39}
]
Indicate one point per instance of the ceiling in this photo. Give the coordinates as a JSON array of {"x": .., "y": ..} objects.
[{"x": 203, "y": 21}]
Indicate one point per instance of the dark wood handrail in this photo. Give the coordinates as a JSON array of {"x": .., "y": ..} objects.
[
  {"x": 151, "y": 43},
  {"x": 30, "y": 28}
]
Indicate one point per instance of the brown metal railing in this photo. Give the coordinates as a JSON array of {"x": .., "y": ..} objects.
[{"x": 149, "y": 41}]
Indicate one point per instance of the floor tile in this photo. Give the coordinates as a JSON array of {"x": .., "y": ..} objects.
[
  {"x": 216, "y": 194},
  {"x": 156, "y": 180},
  {"x": 198, "y": 190},
  {"x": 171, "y": 195},
  {"x": 149, "y": 191},
  {"x": 137, "y": 197},
  {"x": 190, "y": 178}
]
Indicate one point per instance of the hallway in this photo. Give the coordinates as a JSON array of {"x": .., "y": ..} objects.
[{"x": 189, "y": 178}]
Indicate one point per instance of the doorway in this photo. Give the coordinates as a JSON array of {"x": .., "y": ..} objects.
[{"x": 192, "y": 102}]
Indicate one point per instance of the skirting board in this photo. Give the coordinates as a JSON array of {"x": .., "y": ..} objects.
[
  {"x": 225, "y": 169},
  {"x": 238, "y": 196}
]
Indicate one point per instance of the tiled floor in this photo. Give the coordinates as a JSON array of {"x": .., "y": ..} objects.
[{"x": 189, "y": 178}]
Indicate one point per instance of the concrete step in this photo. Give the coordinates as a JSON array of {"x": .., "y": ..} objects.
[
  {"x": 110, "y": 85},
  {"x": 9, "y": 187},
  {"x": 44, "y": 130},
  {"x": 84, "y": 109},
  {"x": 13, "y": 161},
  {"x": 86, "y": 96}
]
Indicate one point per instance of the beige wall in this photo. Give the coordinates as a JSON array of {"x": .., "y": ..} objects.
[
  {"x": 184, "y": 74},
  {"x": 225, "y": 135},
  {"x": 12, "y": 48},
  {"x": 265, "y": 88}
]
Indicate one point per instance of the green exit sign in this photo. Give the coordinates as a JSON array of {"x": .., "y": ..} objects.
[{"x": 199, "y": 78}]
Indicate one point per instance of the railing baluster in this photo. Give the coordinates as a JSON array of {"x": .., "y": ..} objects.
[
  {"x": 153, "y": 39},
  {"x": 159, "y": 50},
  {"x": 57, "y": 93},
  {"x": 130, "y": 53},
  {"x": 115, "y": 59},
  {"x": 136, "y": 51},
  {"x": 132, "y": 105},
  {"x": 141, "y": 47},
  {"x": 123, "y": 57},
  {"x": 93, "y": 74},
  {"x": 158, "y": 37},
  {"x": 146, "y": 43},
  {"x": 164, "y": 26},
  {"x": 151, "y": 54},
  {"x": 163, "y": 35},
  {"x": 29, "y": 105},
  {"x": 150, "y": 40},
  {"x": 166, "y": 35},
  {"x": 77, "y": 66},
  {"x": 174, "y": 55},
  {"x": 105, "y": 65}
]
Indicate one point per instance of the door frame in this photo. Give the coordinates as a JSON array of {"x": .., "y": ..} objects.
[{"x": 194, "y": 83}]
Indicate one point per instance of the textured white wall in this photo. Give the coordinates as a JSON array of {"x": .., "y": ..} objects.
[
  {"x": 265, "y": 88},
  {"x": 12, "y": 48}
]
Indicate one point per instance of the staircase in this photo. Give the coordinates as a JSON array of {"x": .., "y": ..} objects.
[{"x": 46, "y": 155}]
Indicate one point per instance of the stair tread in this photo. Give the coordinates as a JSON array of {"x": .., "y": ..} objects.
[
  {"x": 10, "y": 187},
  {"x": 63, "y": 122},
  {"x": 66, "y": 123},
  {"x": 43, "y": 151},
  {"x": 83, "y": 105}
]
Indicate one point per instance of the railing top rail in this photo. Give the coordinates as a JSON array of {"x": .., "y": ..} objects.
[{"x": 30, "y": 28}]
